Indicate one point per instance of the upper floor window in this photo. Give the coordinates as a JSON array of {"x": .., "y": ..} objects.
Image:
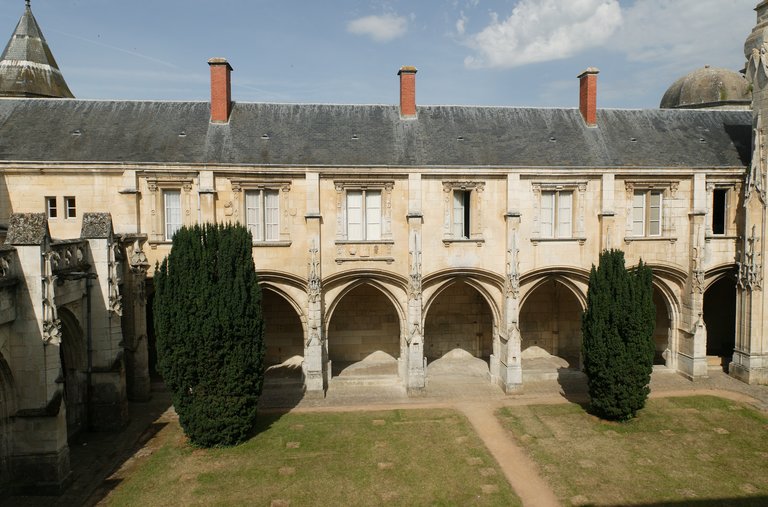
[
  {"x": 51, "y": 210},
  {"x": 364, "y": 211},
  {"x": 463, "y": 216},
  {"x": 262, "y": 210},
  {"x": 559, "y": 210},
  {"x": 556, "y": 214},
  {"x": 647, "y": 213},
  {"x": 172, "y": 212},
  {"x": 70, "y": 207},
  {"x": 720, "y": 211},
  {"x": 363, "y": 215}
]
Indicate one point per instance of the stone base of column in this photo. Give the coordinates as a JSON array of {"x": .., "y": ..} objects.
[
  {"x": 109, "y": 402},
  {"x": 749, "y": 369},
  {"x": 43, "y": 474},
  {"x": 692, "y": 368},
  {"x": 511, "y": 378}
]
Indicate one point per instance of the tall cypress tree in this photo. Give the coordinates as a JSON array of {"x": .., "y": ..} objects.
[
  {"x": 209, "y": 329},
  {"x": 617, "y": 331}
]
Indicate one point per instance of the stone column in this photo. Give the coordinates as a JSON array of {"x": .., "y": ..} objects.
[
  {"x": 316, "y": 367},
  {"x": 207, "y": 194},
  {"x": 134, "y": 319},
  {"x": 511, "y": 369},
  {"x": 750, "y": 357},
  {"x": 40, "y": 454},
  {"x": 412, "y": 360},
  {"x": 692, "y": 347},
  {"x": 108, "y": 407},
  {"x": 607, "y": 213}
]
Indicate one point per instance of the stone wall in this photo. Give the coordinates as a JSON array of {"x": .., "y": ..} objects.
[
  {"x": 551, "y": 319},
  {"x": 284, "y": 335},
  {"x": 458, "y": 319}
]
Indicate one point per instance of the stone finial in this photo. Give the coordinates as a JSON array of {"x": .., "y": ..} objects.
[
  {"x": 96, "y": 226},
  {"x": 27, "y": 229}
]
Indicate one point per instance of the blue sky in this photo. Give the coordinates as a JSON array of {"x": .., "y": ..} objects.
[{"x": 478, "y": 52}]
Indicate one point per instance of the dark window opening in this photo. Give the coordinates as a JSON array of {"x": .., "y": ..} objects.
[{"x": 719, "y": 210}]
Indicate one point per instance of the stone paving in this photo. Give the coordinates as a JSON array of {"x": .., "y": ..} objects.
[{"x": 95, "y": 456}]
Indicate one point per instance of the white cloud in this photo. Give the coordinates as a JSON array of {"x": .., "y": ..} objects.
[
  {"x": 685, "y": 32},
  {"x": 461, "y": 24},
  {"x": 382, "y": 28},
  {"x": 544, "y": 30}
]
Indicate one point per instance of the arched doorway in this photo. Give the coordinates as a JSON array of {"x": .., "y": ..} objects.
[
  {"x": 74, "y": 364},
  {"x": 283, "y": 337},
  {"x": 6, "y": 409},
  {"x": 661, "y": 331},
  {"x": 364, "y": 334},
  {"x": 550, "y": 327},
  {"x": 720, "y": 319},
  {"x": 459, "y": 320}
]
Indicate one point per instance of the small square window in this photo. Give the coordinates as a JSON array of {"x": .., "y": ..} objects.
[
  {"x": 70, "y": 207},
  {"x": 51, "y": 210}
]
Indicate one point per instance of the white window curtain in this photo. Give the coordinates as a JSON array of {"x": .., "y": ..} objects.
[
  {"x": 459, "y": 214},
  {"x": 654, "y": 215},
  {"x": 564, "y": 214},
  {"x": 262, "y": 210},
  {"x": 373, "y": 215},
  {"x": 638, "y": 214}
]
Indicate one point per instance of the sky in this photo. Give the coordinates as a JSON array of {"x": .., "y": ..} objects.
[{"x": 469, "y": 52}]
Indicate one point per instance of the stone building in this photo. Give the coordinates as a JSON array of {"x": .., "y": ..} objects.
[{"x": 386, "y": 237}]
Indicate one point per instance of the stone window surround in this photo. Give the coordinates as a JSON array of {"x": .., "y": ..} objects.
[
  {"x": 578, "y": 205},
  {"x": 734, "y": 190},
  {"x": 156, "y": 204},
  {"x": 668, "y": 190},
  {"x": 476, "y": 189},
  {"x": 240, "y": 186},
  {"x": 385, "y": 187}
]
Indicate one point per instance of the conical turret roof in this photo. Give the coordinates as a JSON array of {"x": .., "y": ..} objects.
[{"x": 27, "y": 66}]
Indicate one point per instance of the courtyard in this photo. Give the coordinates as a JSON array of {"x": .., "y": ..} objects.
[{"x": 463, "y": 442}]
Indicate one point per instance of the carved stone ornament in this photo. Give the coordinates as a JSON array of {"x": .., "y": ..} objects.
[
  {"x": 697, "y": 274},
  {"x": 51, "y": 322},
  {"x": 314, "y": 337},
  {"x": 512, "y": 286},
  {"x": 414, "y": 287},
  {"x": 755, "y": 177},
  {"x": 115, "y": 299},
  {"x": 314, "y": 286},
  {"x": 750, "y": 277},
  {"x": 757, "y": 66}
]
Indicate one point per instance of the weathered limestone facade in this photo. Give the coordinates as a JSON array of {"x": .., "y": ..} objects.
[{"x": 392, "y": 234}]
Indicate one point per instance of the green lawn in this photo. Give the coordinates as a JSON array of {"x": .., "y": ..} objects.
[
  {"x": 401, "y": 457},
  {"x": 693, "y": 449}
]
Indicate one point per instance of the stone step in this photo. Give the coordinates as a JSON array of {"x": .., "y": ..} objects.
[{"x": 365, "y": 380}]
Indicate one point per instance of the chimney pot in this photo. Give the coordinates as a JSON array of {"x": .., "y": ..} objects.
[
  {"x": 221, "y": 90},
  {"x": 407, "y": 91},
  {"x": 588, "y": 96}
]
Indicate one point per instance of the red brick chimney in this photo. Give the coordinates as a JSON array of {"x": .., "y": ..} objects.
[
  {"x": 588, "y": 96},
  {"x": 221, "y": 90},
  {"x": 407, "y": 91}
]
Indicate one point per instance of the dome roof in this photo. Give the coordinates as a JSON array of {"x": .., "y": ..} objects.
[{"x": 708, "y": 87}]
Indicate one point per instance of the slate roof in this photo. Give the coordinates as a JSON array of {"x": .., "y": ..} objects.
[
  {"x": 363, "y": 135},
  {"x": 27, "y": 66}
]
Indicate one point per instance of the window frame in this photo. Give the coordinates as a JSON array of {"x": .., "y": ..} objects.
[
  {"x": 732, "y": 190},
  {"x": 70, "y": 207},
  {"x": 668, "y": 207},
  {"x": 343, "y": 189},
  {"x": 470, "y": 220},
  {"x": 647, "y": 208},
  {"x": 166, "y": 222},
  {"x": 241, "y": 188},
  {"x": 264, "y": 228},
  {"x": 48, "y": 208},
  {"x": 577, "y": 191}
]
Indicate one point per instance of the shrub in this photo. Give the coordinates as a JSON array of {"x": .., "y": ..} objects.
[
  {"x": 209, "y": 328},
  {"x": 617, "y": 331}
]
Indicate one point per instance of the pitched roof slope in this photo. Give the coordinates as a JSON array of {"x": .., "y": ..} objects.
[
  {"x": 356, "y": 135},
  {"x": 27, "y": 66}
]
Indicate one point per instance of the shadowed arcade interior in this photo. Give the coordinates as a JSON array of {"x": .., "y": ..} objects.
[
  {"x": 74, "y": 364},
  {"x": 364, "y": 334},
  {"x": 283, "y": 337},
  {"x": 720, "y": 319},
  {"x": 550, "y": 326},
  {"x": 458, "y": 332}
]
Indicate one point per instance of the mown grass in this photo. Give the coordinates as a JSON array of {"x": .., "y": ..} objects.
[
  {"x": 686, "y": 451},
  {"x": 401, "y": 457}
]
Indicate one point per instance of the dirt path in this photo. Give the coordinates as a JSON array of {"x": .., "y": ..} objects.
[{"x": 521, "y": 472}]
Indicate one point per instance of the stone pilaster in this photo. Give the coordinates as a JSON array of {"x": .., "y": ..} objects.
[
  {"x": 608, "y": 212},
  {"x": 416, "y": 377},
  {"x": 108, "y": 404},
  {"x": 510, "y": 360},
  {"x": 750, "y": 357},
  {"x": 316, "y": 367},
  {"x": 207, "y": 193},
  {"x": 39, "y": 458},
  {"x": 134, "y": 319}
]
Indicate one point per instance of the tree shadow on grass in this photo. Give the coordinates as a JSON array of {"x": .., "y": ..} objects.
[
  {"x": 755, "y": 501},
  {"x": 573, "y": 386}
]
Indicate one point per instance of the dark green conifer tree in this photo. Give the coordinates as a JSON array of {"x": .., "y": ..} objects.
[
  {"x": 617, "y": 331},
  {"x": 209, "y": 328}
]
